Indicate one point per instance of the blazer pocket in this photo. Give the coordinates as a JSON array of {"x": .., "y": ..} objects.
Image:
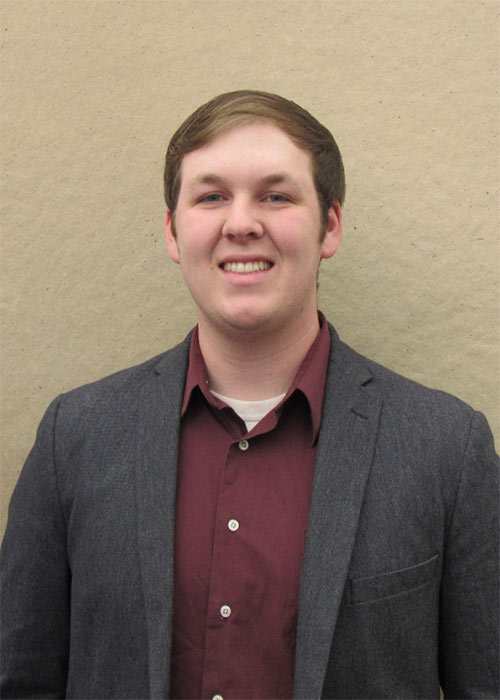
[{"x": 363, "y": 590}]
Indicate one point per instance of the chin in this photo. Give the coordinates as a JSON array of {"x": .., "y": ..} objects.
[
  {"x": 254, "y": 324},
  {"x": 247, "y": 323},
  {"x": 242, "y": 320}
]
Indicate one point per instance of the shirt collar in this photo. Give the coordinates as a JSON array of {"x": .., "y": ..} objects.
[
  {"x": 311, "y": 375},
  {"x": 310, "y": 378},
  {"x": 197, "y": 375}
]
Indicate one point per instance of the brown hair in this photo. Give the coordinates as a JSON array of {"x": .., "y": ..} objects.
[{"x": 241, "y": 107}]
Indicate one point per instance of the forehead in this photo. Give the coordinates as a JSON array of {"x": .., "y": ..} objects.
[{"x": 257, "y": 149}]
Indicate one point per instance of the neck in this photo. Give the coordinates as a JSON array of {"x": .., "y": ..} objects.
[{"x": 251, "y": 367}]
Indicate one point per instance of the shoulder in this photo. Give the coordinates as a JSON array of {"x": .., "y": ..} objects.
[
  {"x": 121, "y": 390},
  {"x": 420, "y": 431},
  {"x": 410, "y": 413},
  {"x": 391, "y": 385}
]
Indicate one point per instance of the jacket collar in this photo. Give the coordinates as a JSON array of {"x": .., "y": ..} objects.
[
  {"x": 156, "y": 475},
  {"x": 345, "y": 449}
]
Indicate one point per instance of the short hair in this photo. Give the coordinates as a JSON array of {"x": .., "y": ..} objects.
[{"x": 242, "y": 107}]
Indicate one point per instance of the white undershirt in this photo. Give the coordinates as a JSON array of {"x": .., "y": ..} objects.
[{"x": 250, "y": 412}]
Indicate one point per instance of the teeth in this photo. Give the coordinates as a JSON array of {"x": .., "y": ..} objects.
[{"x": 245, "y": 268}]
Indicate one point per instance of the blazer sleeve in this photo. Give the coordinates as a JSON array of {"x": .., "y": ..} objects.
[
  {"x": 469, "y": 620},
  {"x": 35, "y": 578}
]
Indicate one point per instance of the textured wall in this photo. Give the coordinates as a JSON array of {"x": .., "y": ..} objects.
[{"x": 91, "y": 92}]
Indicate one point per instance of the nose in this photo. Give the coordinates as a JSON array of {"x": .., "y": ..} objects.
[{"x": 242, "y": 221}]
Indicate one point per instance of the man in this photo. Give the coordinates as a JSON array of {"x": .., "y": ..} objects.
[{"x": 259, "y": 512}]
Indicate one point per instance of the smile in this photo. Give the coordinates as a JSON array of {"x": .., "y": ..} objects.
[{"x": 246, "y": 267}]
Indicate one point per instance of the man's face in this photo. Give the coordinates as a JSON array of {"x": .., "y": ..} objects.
[{"x": 248, "y": 231}]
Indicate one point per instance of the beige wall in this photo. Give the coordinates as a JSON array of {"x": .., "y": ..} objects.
[{"x": 91, "y": 92}]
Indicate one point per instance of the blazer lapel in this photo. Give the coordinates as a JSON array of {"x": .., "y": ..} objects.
[
  {"x": 345, "y": 448},
  {"x": 157, "y": 442}
]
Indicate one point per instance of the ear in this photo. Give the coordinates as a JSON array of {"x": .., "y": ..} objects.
[
  {"x": 172, "y": 247},
  {"x": 333, "y": 232}
]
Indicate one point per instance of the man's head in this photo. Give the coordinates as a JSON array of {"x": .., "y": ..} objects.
[
  {"x": 242, "y": 107},
  {"x": 249, "y": 232}
]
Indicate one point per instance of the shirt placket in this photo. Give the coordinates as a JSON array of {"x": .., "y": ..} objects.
[{"x": 226, "y": 614}]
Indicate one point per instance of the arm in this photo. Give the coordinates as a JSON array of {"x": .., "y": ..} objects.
[
  {"x": 35, "y": 579},
  {"x": 469, "y": 591}
]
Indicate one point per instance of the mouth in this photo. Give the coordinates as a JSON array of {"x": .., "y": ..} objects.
[{"x": 246, "y": 268}]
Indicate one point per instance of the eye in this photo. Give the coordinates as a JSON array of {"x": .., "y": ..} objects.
[
  {"x": 212, "y": 197},
  {"x": 277, "y": 197}
]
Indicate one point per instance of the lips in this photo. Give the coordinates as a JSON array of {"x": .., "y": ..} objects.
[{"x": 247, "y": 267}]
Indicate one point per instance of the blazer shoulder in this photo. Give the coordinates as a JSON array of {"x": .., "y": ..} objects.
[
  {"x": 405, "y": 398},
  {"x": 126, "y": 385},
  {"x": 415, "y": 424}
]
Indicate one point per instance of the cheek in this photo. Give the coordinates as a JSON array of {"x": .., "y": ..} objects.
[
  {"x": 300, "y": 241},
  {"x": 197, "y": 230}
]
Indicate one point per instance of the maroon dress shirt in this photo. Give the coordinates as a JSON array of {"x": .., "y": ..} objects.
[{"x": 241, "y": 520}]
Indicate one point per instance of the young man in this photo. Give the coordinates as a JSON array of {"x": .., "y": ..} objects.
[{"x": 260, "y": 512}]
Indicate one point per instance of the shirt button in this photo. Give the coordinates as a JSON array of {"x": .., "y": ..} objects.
[
  {"x": 243, "y": 445},
  {"x": 217, "y": 697},
  {"x": 233, "y": 525},
  {"x": 225, "y": 610}
]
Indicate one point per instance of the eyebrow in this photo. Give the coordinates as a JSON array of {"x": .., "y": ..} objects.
[{"x": 214, "y": 179}]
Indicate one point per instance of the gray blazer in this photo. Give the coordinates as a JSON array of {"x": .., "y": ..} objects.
[{"x": 398, "y": 592}]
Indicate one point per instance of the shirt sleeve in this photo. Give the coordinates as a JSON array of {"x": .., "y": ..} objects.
[
  {"x": 469, "y": 620},
  {"x": 35, "y": 578}
]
